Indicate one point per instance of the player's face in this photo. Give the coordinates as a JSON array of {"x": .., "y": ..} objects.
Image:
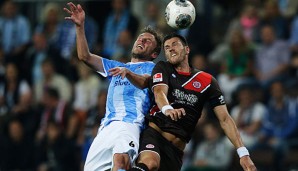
[
  {"x": 175, "y": 51},
  {"x": 144, "y": 46}
]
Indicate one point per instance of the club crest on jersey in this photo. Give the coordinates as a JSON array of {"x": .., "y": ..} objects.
[
  {"x": 196, "y": 84},
  {"x": 149, "y": 146},
  {"x": 200, "y": 82},
  {"x": 157, "y": 77}
]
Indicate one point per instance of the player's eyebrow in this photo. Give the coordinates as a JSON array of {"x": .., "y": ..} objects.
[
  {"x": 147, "y": 37},
  {"x": 173, "y": 43}
]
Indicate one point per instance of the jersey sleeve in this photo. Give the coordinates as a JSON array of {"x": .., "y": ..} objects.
[
  {"x": 216, "y": 97},
  {"x": 108, "y": 64},
  {"x": 160, "y": 76}
]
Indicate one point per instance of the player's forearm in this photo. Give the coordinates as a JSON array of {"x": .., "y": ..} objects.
[
  {"x": 92, "y": 60},
  {"x": 140, "y": 81},
  {"x": 160, "y": 96},
  {"x": 82, "y": 45},
  {"x": 230, "y": 129}
]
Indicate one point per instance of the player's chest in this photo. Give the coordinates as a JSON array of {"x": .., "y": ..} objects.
[{"x": 185, "y": 90}]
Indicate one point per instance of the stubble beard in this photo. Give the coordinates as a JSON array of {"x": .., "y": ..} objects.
[
  {"x": 139, "y": 56},
  {"x": 179, "y": 61},
  {"x": 175, "y": 61}
]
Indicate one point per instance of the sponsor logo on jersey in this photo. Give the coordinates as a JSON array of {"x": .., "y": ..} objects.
[
  {"x": 157, "y": 77},
  {"x": 149, "y": 146},
  {"x": 181, "y": 95},
  {"x": 121, "y": 83},
  {"x": 196, "y": 84}
]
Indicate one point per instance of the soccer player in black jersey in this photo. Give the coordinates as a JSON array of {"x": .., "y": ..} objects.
[{"x": 180, "y": 93}]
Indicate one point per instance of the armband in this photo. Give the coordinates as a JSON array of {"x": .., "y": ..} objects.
[
  {"x": 166, "y": 107},
  {"x": 242, "y": 151}
]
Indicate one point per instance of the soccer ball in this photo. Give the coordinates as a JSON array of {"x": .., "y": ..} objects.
[{"x": 180, "y": 14}]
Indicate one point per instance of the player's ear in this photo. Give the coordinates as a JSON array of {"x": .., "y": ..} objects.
[
  {"x": 187, "y": 49},
  {"x": 154, "y": 55}
]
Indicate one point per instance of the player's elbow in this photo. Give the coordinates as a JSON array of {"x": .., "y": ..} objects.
[
  {"x": 84, "y": 57},
  {"x": 145, "y": 84},
  {"x": 142, "y": 87},
  {"x": 145, "y": 81}
]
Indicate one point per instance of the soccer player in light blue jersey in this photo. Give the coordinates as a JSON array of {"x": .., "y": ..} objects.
[{"x": 117, "y": 142}]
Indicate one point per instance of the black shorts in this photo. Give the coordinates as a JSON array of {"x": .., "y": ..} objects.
[{"x": 170, "y": 155}]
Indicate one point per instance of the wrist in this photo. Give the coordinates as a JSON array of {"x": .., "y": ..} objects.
[
  {"x": 128, "y": 72},
  {"x": 166, "y": 107},
  {"x": 80, "y": 26},
  {"x": 242, "y": 151}
]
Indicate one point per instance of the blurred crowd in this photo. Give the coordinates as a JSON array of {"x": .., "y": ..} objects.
[{"x": 51, "y": 104}]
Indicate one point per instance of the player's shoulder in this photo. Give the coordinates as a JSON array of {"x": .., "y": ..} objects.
[
  {"x": 145, "y": 63},
  {"x": 206, "y": 75},
  {"x": 164, "y": 65},
  {"x": 203, "y": 74},
  {"x": 111, "y": 61},
  {"x": 149, "y": 64}
]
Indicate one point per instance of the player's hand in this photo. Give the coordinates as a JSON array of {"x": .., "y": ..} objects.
[
  {"x": 119, "y": 71},
  {"x": 76, "y": 12},
  {"x": 247, "y": 164},
  {"x": 175, "y": 114}
]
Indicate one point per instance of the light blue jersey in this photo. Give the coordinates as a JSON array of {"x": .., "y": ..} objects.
[{"x": 125, "y": 102}]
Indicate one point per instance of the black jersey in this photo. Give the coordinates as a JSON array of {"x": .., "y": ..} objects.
[{"x": 186, "y": 90}]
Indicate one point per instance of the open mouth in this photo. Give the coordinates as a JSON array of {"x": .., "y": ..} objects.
[
  {"x": 140, "y": 46},
  {"x": 173, "y": 55}
]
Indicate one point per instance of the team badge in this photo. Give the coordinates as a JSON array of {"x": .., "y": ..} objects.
[
  {"x": 149, "y": 146},
  {"x": 200, "y": 82},
  {"x": 173, "y": 75},
  {"x": 196, "y": 84},
  {"x": 157, "y": 77}
]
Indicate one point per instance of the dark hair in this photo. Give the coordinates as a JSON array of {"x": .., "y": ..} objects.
[
  {"x": 172, "y": 35},
  {"x": 157, "y": 37}
]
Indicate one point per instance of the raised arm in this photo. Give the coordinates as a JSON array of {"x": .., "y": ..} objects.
[
  {"x": 231, "y": 131},
  {"x": 77, "y": 16}
]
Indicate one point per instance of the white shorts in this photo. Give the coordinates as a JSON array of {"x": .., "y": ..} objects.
[{"x": 117, "y": 137}]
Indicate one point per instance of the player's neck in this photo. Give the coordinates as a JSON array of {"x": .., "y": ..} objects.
[
  {"x": 134, "y": 60},
  {"x": 184, "y": 68}
]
